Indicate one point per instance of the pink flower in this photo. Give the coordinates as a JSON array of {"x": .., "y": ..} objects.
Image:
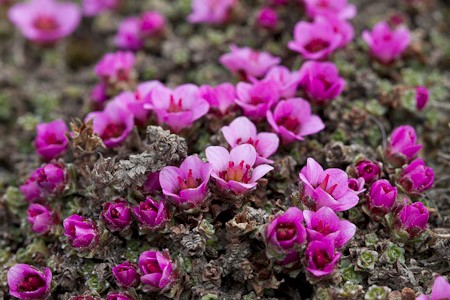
[
  {"x": 387, "y": 45},
  {"x": 116, "y": 67},
  {"x": 321, "y": 257},
  {"x": 152, "y": 215},
  {"x": 246, "y": 62},
  {"x": 94, "y": 7},
  {"x": 325, "y": 223},
  {"x": 45, "y": 21},
  {"x": 44, "y": 182},
  {"x": 417, "y": 177},
  {"x": 292, "y": 120},
  {"x": 381, "y": 197},
  {"x": 51, "y": 140},
  {"x": 267, "y": 18},
  {"x": 119, "y": 296},
  {"x": 286, "y": 230},
  {"x": 325, "y": 188},
  {"x": 402, "y": 145},
  {"x": 234, "y": 170},
  {"x": 128, "y": 35},
  {"x": 368, "y": 170},
  {"x": 321, "y": 81},
  {"x": 27, "y": 282},
  {"x": 157, "y": 269},
  {"x": 340, "y": 27},
  {"x": 211, "y": 11},
  {"x": 82, "y": 232},
  {"x": 256, "y": 99},
  {"x": 412, "y": 219},
  {"x": 99, "y": 95},
  {"x": 178, "y": 108},
  {"x": 330, "y": 8},
  {"x": 315, "y": 40},
  {"x": 440, "y": 290},
  {"x": 113, "y": 124},
  {"x": 126, "y": 275},
  {"x": 116, "y": 215},
  {"x": 220, "y": 98},
  {"x": 422, "y": 96},
  {"x": 152, "y": 23},
  {"x": 187, "y": 185},
  {"x": 142, "y": 97},
  {"x": 41, "y": 218},
  {"x": 287, "y": 81},
  {"x": 356, "y": 185},
  {"x": 243, "y": 131}
]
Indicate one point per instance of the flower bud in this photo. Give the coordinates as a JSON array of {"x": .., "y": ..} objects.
[
  {"x": 43, "y": 182},
  {"x": 116, "y": 215},
  {"x": 126, "y": 275},
  {"x": 267, "y": 18},
  {"x": 381, "y": 197},
  {"x": 41, "y": 218},
  {"x": 412, "y": 219},
  {"x": 82, "y": 232},
  {"x": 321, "y": 257},
  {"x": 28, "y": 283},
  {"x": 157, "y": 269},
  {"x": 356, "y": 185},
  {"x": 417, "y": 177},
  {"x": 368, "y": 170},
  {"x": 422, "y": 96},
  {"x": 152, "y": 215},
  {"x": 402, "y": 145},
  {"x": 51, "y": 140},
  {"x": 118, "y": 296}
]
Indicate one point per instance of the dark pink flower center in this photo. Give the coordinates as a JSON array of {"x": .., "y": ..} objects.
[
  {"x": 324, "y": 185},
  {"x": 175, "y": 106},
  {"x": 353, "y": 184},
  {"x": 114, "y": 213},
  {"x": 250, "y": 141},
  {"x": 323, "y": 227},
  {"x": 239, "y": 173},
  {"x": 255, "y": 100},
  {"x": 326, "y": 83},
  {"x": 321, "y": 259},
  {"x": 149, "y": 206},
  {"x": 113, "y": 130},
  {"x": 45, "y": 23},
  {"x": 290, "y": 123},
  {"x": 316, "y": 45},
  {"x": 31, "y": 283},
  {"x": 323, "y": 4},
  {"x": 152, "y": 267},
  {"x": 286, "y": 231},
  {"x": 190, "y": 182},
  {"x": 51, "y": 139}
]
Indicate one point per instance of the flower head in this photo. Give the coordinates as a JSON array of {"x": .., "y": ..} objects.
[
  {"x": 287, "y": 81},
  {"x": 220, "y": 98},
  {"x": 82, "y": 232},
  {"x": 356, "y": 185},
  {"x": 211, "y": 11},
  {"x": 157, "y": 269},
  {"x": 321, "y": 257},
  {"x": 28, "y": 283},
  {"x": 235, "y": 170},
  {"x": 128, "y": 35},
  {"x": 94, "y": 7},
  {"x": 99, "y": 95},
  {"x": 116, "y": 67},
  {"x": 328, "y": 187},
  {"x": 422, "y": 97},
  {"x": 126, "y": 275},
  {"x": 292, "y": 120},
  {"x": 325, "y": 223},
  {"x": 151, "y": 23},
  {"x": 340, "y": 27},
  {"x": 119, "y": 296},
  {"x": 369, "y": 170},
  {"x": 256, "y": 99},
  {"x": 412, "y": 219},
  {"x": 402, "y": 145},
  {"x": 41, "y": 218},
  {"x": 330, "y": 8},
  {"x": 44, "y": 182},
  {"x": 267, "y": 18},
  {"x": 417, "y": 177},
  {"x": 45, "y": 21},
  {"x": 116, "y": 215},
  {"x": 187, "y": 185},
  {"x": 387, "y": 45},
  {"x": 381, "y": 197},
  {"x": 51, "y": 140},
  {"x": 321, "y": 81},
  {"x": 152, "y": 215},
  {"x": 247, "y": 62}
]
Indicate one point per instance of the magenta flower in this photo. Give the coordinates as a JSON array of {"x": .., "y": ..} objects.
[
  {"x": 324, "y": 223},
  {"x": 116, "y": 67},
  {"x": 321, "y": 257},
  {"x": 116, "y": 215},
  {"x": 325, "y": 188},
  {"x": 402, "y": 145},
  {"x": 152, "y": 23},
  {"x": 187, "y": 185},
  {"x": 292, "y": 120},
  {"x": 440, "y": 290},
  {"x": 387, "y": 45},
  {"x": 178, "y": 108},
  {"x": 287, "y": 81},
  {"x": 412, "y": 219},
  {"x": 211, "y": 11},
  {"x": 94, "y": 7},
  {"x": 246, "y": 62},
  {"x": 381, "y": 197},
  {"x": 315, "y": 40},
  {"x": 45, "y": 21},
  {"x": 51, "y": 140},
  {"x": 417, "y": 177},
  {"x": 340, "y": 27},
  {"x": 43, "y": 182},
  {"x": 235, "y": 170},
  {"x": 118, "y": 296},
  {"x": 369, "y": 170},
  {"x": 99, "y": 95},
  {"x": 356, "y": 185},
  {"x": 330, "y": 8},
  {"x": 243, "y": 131},
  {"x": 82, "y": 232},
  {"x": 142, "y": 97},
  {"x": 41, "y": 218},
  {"x": 220, "y": 98},
  {"x": 157, "y": 269},
  {"x": 128, "y": 35},
  {"x": 321, "y": 81},
  {"x": 151, "y": 215},
  {"x": 422, "y": 96},
  {"x": 126, "y": 275},
  {"x": 256, "y": 99},
  {"x": 113, "y": 124},
  {"x": 267, "y": 18},
  {"x": 28, "y": 283}
]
